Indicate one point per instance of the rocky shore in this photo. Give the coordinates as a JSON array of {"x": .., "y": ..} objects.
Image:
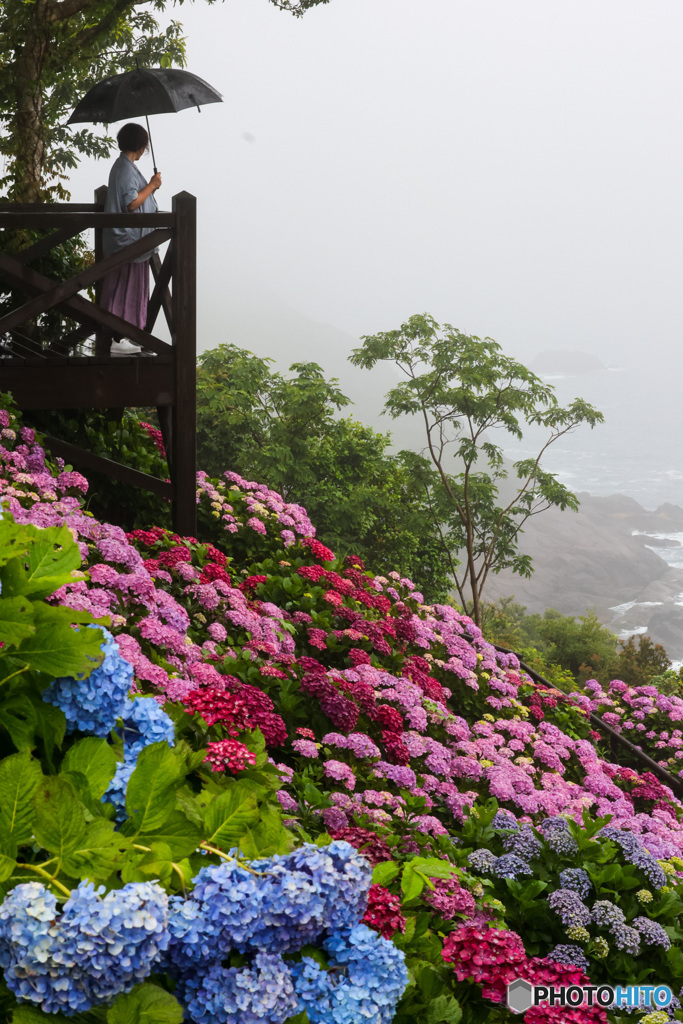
[{"x": 612, "y": 555}]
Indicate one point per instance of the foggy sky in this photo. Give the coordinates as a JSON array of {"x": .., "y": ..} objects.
[{"x": 512, "y": 168}]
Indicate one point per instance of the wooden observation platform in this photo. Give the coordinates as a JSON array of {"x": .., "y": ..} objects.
[{"x": 77, "y": 371}]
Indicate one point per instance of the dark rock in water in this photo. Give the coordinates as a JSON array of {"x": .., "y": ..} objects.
[{"x": 601, "y": 558}]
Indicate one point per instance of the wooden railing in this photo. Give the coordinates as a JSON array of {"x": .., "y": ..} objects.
[{"x": 62, "y": 376}]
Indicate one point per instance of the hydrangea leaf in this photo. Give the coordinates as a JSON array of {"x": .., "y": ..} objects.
[
  {"x": 412, "y": 882},
  {"x": 95, "y": 758},
  {"x": 268, "y": 837},
  {"x": 385, "y": 872},
  {"x": 100, "y": 852},
  {"x": 146, "y": 1004},
  {"x": 182, "y": 836},
  {"x": 444, "y": 1010},
  {"x": 19, "y": 777},
  {"x": 59, "y": 824},
  {"x": 16, "y": 620},
  {"x": 18, "y": 716},
  {"x": 53, "y": 555},
  {"x": 57, "y": 648},
  {"x": 230, "y": 814},
  {"x": 150, "y": 797},
  {"x": 32, "y": 1015}
]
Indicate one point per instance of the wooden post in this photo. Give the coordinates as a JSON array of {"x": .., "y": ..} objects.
[
  {"x": 184, "y": 336},
  {"x": 102, "y": 339}
]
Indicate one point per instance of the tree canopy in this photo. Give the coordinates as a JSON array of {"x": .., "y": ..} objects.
[
  {"x": 467, "y": 393},
  {"x": 51, "y": 51},
  {"x": 286, "y": 432}
]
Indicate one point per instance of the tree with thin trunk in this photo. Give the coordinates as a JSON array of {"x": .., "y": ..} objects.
[
  {"x": 466, "y": 392},
  {"x": 51, "y": 52}
]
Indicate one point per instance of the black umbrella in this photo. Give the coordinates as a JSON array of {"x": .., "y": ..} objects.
[{"x": 142, "y": 92}]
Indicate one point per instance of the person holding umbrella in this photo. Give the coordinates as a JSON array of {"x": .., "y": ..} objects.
[{"x": 125, "y": 290}]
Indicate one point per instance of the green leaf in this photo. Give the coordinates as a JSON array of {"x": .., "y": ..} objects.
[
  {"x": 19, "y": 777},
  {"x": 150, "y": 796},
  {"x": 18, "y": 717},
  {"x": 32, "y": 1015},
  {"x": 182, "y": 836},
  {"x": 16, "y": 620},
  {"x": 59, "y": 817},
  {"x": 99, "y": 854},
  {"x": 95, "y": 759},
  {"x": 229, "y": 815},
  {"x": 52, "y": 557},
  {"x": 385, "y": 872},
  {"x": 444, "y": 1009},
  {"x": 268, "y": 837},
  {"x": 146, "y": 1004},
  {"x": 412, "y": 882},
  {"x": 58, "y": 649}
]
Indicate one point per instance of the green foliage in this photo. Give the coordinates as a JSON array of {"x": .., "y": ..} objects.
[
  {"x": 464, "y": 388},
  {"x": 54, "y": 826},
  {"x": 284, "y": 431}
]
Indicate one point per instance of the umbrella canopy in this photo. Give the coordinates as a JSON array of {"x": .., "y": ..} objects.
[{"x": 143, "y": 91}]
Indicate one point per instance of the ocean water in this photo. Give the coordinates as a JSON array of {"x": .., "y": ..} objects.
[{"x": 637, "y": 451}]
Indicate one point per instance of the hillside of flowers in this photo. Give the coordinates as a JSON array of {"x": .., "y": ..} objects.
[{"x": 242, "y": 780}]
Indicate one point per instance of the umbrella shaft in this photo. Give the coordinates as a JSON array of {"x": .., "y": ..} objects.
[{"x": 151, "y": 145}]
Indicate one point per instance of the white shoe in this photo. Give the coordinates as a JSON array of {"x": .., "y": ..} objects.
[{"x": 128, "y": 348}]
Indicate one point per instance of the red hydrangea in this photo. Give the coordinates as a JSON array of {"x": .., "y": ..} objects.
[
  {"x": 395, "y": 749},
  {"x": 213, "y": 572},
  {"x": 147, "y": 537},
  {"x": 214, "y": 555},
  {"x": 174, "y": 557},
  {"x": 489, "y": 956},
  {"x": 384, "y": 912},
  {"x": 359, "y": 657},
  {"x": 228, "y": 756},
  {"x": 317, "y": 638},
  {"x": 312, "y": 573},
  {"x": 219, "y": 706},
  {"x": 261, "y": 714},
  {"x": 388, "y": 718},
  {"x": 365, "y": 841},
  {"x": 318, "y": 550},
  {"x": 317, "y": 685},
  {"x": 252, "y": 582},
  {"x": 341, "y": 711},
  {"x": 155, "y": 436},
  {"x": 364, "y": 696}
]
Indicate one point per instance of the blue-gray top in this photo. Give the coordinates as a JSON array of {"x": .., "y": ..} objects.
[{"x": 125, "y": 181}]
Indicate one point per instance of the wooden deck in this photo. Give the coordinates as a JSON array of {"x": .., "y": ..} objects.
[{"x": 75, "y": 370}]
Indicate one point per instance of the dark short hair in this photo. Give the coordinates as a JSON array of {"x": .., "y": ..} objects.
[{"x": 132, "y": 137}]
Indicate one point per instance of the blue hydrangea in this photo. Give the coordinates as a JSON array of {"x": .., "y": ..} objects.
[
  {"x": 98, "y": 947},
  {"x": 570, "y": 909},
  {"x": 651, "y": 932},
  {"x": 482, "y": 861},
  {"x": 502, "y": 820},
  {"x": 144, "y": 722},
  {"x": 118, "y": 787},
  {"x": 93, "y": 703},
  {"x": 523, "y": 843},
  {"x": 262, "y": 993},
  {"x": 510, "y": 866},
  {"x": 277, "y": 905},
  {"x": 372, "y": 979},
  {"x": 556, "y": 833},
  {"x": 636, "y": 854},
  {"x": 577, "y": 880},
  {"x": 570, "y": 955}
]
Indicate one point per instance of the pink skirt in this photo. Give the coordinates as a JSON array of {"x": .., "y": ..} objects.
[{"x": 125, "y": 292}]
